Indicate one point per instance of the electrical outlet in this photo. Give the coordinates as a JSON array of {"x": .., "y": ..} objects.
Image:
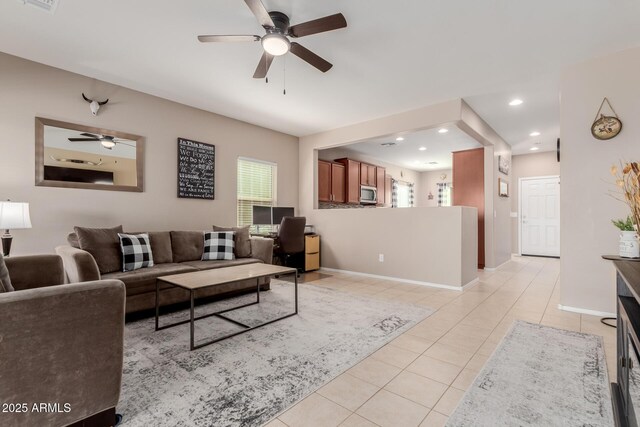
[{"x": 381, "y": 257}]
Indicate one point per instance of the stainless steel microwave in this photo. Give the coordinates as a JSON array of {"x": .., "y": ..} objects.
[{"x": 368, "y": 195}]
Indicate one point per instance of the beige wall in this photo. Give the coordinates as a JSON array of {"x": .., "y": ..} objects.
[
  {"x": 431, "y": 245},
  {"x": 526, "y": 166},
  {"x": 29, "y": 89},
  {"x": 497, "y": 226},
  {"x": 585, "y": 205},
  {"x": 342, "y": 245},
  {"x": 428, "y": 183}
]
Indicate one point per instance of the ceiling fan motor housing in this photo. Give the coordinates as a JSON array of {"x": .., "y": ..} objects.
[{"x": 281, "y": 21}]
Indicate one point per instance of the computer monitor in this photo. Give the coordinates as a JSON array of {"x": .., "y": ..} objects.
[
  {"x": 262, "y": 215},
  {"x": 279, "y": 213}
]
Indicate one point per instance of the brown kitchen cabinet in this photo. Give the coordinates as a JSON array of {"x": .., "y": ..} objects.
[
  {"x": 388, "y": 184},
  {"x": 352, "y": 180},
  {"x": 331, "y": 182},
  {"x": 380, "y": 174},
  {"x": 367, "y": 175}
]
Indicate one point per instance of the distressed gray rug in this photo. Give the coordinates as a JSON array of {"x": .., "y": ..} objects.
[
  {"x": 248, "y": 379},
  {"x": 540, "y": 376}
]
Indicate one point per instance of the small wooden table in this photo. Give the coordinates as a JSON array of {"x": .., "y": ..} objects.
[{"x": 220, "y": 276}]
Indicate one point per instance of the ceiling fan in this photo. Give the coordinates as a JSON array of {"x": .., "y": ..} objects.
[
  {"x": 276, "y": 40},
  {"x": 107, "y": 141}
]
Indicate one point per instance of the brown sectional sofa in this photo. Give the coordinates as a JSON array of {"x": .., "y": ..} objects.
[{"x": 174, "y": 252}]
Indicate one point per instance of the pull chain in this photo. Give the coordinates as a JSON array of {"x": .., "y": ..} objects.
[{"x": 284, "y": 90}]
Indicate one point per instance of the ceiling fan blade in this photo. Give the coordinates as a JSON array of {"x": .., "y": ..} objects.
[
  {"x": 90, "y": 135},
  {"x": 260, "y": 13},
  {"x": 321, "y": 25},
  {"x": 310, "y": 57},
  {"x": 83, "y": 139},
  {"x": 263, "y": 66},
  {"x": 209, "y": 39}
]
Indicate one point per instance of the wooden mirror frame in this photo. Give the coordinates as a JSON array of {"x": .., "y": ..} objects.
[{"x": 41, "y": 182}]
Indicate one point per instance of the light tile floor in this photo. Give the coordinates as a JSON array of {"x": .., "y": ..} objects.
[{"x": 419, "y": 378}]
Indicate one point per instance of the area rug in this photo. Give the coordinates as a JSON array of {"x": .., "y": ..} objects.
[
  {"x": 248, "y": 379},
  {"x": 540, "y": 376}
]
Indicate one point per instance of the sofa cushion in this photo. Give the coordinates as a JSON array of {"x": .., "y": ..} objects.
[
  {"x": 72, "y": 239},
  {"x": 144, "y": 280},
  {"x": 218, "y": 245},
  {"x": 187, "y": 245},
  {"x": 242, "y": 239},
  {"x": 160, "y": 245},
  {"x": 5, "y": 280},
  {"x": 103, "y": 244},
  {"x": 208, "y": 265},
  {"x": 136, "y": 251}
]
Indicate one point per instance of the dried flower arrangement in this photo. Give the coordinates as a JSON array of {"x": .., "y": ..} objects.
[{"x": 628, "y": 180}]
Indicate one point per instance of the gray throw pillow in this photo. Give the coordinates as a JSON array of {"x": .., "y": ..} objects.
[
  {"x": 104, "y": 245},
  {"x": 5, "y": 281},
  {"x": 241, "y": 238}
]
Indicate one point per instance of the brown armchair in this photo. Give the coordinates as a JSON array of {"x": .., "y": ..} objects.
[{"x": 61, "y": 346}]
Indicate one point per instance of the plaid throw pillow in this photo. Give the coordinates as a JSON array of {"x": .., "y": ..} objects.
[
  {"x": 136, "y": 251},
  {"x": 218, "y": 245}
]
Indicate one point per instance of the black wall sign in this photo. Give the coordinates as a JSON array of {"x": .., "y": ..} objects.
[{"x": 196, "y": 169}]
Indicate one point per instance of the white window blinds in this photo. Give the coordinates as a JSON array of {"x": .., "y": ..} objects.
[{"x": 256, "y": 187}]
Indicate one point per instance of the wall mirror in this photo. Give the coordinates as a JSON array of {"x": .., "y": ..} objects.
[{"x": 77, "y": 156}]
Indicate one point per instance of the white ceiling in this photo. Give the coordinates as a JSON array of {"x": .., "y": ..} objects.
[
  {"x": 539, "y": 112},
  {"x": 407, "y": 153},
  {"x": 394, "y": 56},
  {"x": 59, "y": 138}
]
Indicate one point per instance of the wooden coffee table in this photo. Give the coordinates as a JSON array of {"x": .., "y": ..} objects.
[{"x": 220, "y": 276}]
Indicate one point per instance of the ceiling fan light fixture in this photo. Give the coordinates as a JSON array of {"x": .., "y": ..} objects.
[
  {"x": 106, "y": 143},
  {"x": 276, "y": 44}
]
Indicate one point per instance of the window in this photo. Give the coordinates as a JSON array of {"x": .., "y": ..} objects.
[
  {"x": 444, "y": 194},
  {"x": 402, "y": 194},
  {"x": 256, "y": 187}
]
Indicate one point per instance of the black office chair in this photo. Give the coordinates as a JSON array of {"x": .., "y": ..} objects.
[{"x": 290, "y": 240}]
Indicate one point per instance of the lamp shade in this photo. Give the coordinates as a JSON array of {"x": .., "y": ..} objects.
[{"x": 14, "y": 215}]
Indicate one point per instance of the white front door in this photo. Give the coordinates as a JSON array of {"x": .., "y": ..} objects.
[{"x": 540, "y": 216}]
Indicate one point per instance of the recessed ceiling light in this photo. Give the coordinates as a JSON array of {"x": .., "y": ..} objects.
[
  {"x": 443, "y": 130},
  {"x": 516, "y": 102},
  {"x": 399, "y": 138},
  {"x": 534, "y": 148},
  {"x": 422, "y": 148},
  {"x": 536, "y": 133}
]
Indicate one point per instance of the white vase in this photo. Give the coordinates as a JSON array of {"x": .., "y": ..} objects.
[{"x": 629, "y": 247}]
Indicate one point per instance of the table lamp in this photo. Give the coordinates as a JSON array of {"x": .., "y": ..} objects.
[{"x": 13, "y": 216}]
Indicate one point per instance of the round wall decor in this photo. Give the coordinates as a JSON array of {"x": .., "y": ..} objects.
[{"x": 606, "y": 127}]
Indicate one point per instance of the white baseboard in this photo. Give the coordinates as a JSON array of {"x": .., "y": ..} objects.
[
  {"x": 398, "y": 279},
  {"x": 495, "y": 268},
  {"x": 586, "y": 311}
]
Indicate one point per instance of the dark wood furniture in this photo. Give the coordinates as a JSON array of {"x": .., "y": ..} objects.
[
  {"x": 468, "y": 182},
  {"x": 625, "y": 392},
  {"x": 331, "y": 182}
]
